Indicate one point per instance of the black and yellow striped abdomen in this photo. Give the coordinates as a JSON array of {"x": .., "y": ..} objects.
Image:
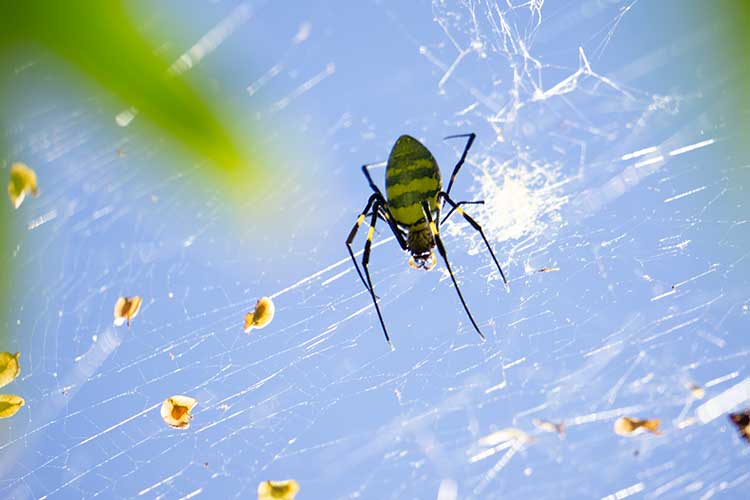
[{"x": 412, "y": 176}]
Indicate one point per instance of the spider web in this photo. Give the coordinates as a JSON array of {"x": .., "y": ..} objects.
[{"x": 599, "y": 162}]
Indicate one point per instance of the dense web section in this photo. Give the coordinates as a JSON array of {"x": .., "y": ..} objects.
[{"x": 611, "y": 197}]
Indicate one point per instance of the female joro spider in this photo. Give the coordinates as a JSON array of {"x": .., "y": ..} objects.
[{"x": 412, "y": 211}]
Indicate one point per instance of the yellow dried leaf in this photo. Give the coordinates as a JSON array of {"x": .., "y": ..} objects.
[
  {"x": 624, "y": 426},
  {"x": 126, "y": 308},
  {"x": 9, "y": 367},
  {"x": 10, "y": 404},
  {"x": 261, "y": 316},
  {"x": 22, "y": 182},
  {"x": 274, "y": 490},
  {"x": 176, "y": 411}
]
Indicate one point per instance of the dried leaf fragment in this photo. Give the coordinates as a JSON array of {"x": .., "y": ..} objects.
[
  {"x": 547, "y": 426},
  {"x": 261, "y": 316},
  {"x": 284, "y": 490},
  {"x": 176, "y": 411},
  {"x": 741, "y": 420},
  {"x": 126, "y": 308},
  {"x": 22, "y": 182},
  {"x": 9, "y": 367},
  {"x": 625, "y": 426},
  {"x": 10, "y": 404}
]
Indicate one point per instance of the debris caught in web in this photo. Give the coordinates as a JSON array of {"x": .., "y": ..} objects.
[
  {"x": 548, "y": 269},
  {"x": 626, "y": 426},
  {"x": 741, "y": 420},
  {"x": 697, "y": 391},
  {"x": 10, "y": 368},
  {"x": 176, "y": 411},
  {"x": 10, "y": 404},
  {"x": 505, "y": 435},
  {"x": 261, "y": 315},
  {"x": 126, "y": 308},
  {"x": 278, "y": 490},
  {"x": 22, "y": 182},
  {"x": 547, "y": 426}
]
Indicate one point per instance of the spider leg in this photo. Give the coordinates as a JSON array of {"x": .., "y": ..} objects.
[
  {"x": 456, "y": 206},
  {"x": 441, "y": 250},
  {"x": 461, "y": 161},
  {"x": 375, "y": 197},
  {"x": 366, "y": 266},
  {"x": 453, "y": 209},
  {"x": 386, "y": 212},
  {"x": 372, "y": 184},
  {"x": 399, "y": 233}
]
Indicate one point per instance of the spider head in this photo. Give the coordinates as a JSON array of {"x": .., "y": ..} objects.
[{"x": 420, "y": 243}]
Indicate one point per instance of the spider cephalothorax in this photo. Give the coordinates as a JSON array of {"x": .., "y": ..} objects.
[{"x": 411, "y": 208}]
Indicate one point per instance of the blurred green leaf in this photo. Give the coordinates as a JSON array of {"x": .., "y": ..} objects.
[{"x": 99, "y": 39}]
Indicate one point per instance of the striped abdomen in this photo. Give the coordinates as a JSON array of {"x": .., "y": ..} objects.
[{"x": 411, "y": 177}]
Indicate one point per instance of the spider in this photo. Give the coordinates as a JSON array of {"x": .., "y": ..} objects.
[{"x": 412, "y": 211}]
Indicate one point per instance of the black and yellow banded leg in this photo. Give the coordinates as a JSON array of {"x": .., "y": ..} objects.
[
  {"x": 366, "y": 266},
  {"x": 375, "y": 197},
  {"x": 456, "y": 207},
  {"x": 461, "y": 161},
  {"x": 385, "y": 211},
  {"x": 453, "y": 209},
  {"x": 441, "y": 250}
]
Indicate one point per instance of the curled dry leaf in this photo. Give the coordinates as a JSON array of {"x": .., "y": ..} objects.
[
  {"x": 625, "y": 426},
  {"x": 10, "y": 404},
  {"x": 9, "y": 367},
  {"x": 261, "y": 316},
  {"x": 126, "y": 308},
  {"x": 22, "y": 182},
  {"x": 275, "y": 490},
  {"x": 176, "y": 411}
]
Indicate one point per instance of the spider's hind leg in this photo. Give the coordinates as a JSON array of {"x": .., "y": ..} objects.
[
  {"x": 441, "y": 251},
  {"x": 456, "y": 207}
]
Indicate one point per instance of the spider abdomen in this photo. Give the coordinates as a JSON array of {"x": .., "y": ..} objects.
[{"x": 411, "y": 177}]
